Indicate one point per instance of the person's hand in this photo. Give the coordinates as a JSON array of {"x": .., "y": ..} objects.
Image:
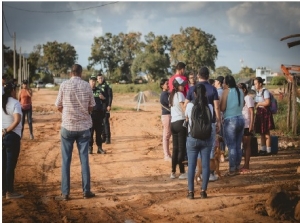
[
  {"x": 101, "y": 97},
  {"x": 108, "y": 108},
  {"x": 218, "y": 127}
]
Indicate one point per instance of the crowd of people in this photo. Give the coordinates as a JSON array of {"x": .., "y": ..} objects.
[
  {"x": 86, "y": 106},
  {"x": 232, "y": 110}
]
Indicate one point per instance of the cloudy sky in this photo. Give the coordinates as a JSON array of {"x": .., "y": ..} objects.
[{"x": 250, "y": 31}]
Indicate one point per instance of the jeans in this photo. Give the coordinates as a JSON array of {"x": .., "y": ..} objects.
[
  {"x": 179, "y": 145},
  {"x": 166, "y": 122},
  {"x": 82, "y": 139},
  {"x": 213, "y": 138},
  {"x": 27, "y": 113},
  {"x": 97, "y": 118},
  {"x": 233, "y": 133},
  {"x": 10, "y": 154},
  {"x": 195, "y": 147},
  {"x": 106, "y": 125}
]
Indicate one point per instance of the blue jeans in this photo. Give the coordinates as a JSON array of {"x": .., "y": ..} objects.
[
  {"x": 10, "y": 154},
  {"x": 82, "y": 139},
  {"x": 27, "y": 113},
  {"x": 194, "y": 147},
  {"x": 213, "y": 134},
  {"x": 233, "y": 134}
]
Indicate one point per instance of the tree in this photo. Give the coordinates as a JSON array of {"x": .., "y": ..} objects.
[
  {"x": 9, "y": 61},
  {"x": 59, "y": 57},
  {"x": 222, "y": 71},
  {"x": 246, "y": 72},
  {"x": 35, "y": 62},
  {"x": 195, "y": 48},
  {"x": 278, "y": 80},
  {"x": 154, "y": 61}
]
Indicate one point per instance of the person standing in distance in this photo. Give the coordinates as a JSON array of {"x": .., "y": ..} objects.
[
  {"x": 97, "y": 117},
  {"x": 104, "y": 87},
  {"x": 75, "y": 100},
  {"x": 180, "y": 69}
]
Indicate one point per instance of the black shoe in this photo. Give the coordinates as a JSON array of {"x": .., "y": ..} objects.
[
  {"x": 203, "y": 194},
  {"x": 90, "y": 150},
  {"x": 101, "y": 151},
  {"x": 262, "y": 153},
  {"x": 89, "y": 194},
  {"x": 190, "y": 195},
  {"x": 107, "y": 141},
  {"x": 62, "y": 197}
]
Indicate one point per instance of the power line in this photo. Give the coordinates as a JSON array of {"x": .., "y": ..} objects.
[
  {"x": 6, "y": 25},
  {"x": 92, "y": 7}
]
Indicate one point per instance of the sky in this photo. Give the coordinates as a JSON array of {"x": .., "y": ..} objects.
[{"x": 247, "y": 33}]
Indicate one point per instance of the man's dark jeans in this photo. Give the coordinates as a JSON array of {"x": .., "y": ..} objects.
[{"x": 10, "y": 154}]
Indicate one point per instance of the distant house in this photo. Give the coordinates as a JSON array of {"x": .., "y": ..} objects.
[{"x": 265, "y": 73}]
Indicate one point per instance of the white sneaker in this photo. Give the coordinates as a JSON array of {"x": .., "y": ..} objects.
[
  {"x": 167, "y": 158},
  {"x": 173, "y": 176},
  {"x": 212, "y": 177},
  {"x": 182, "y": 176}
]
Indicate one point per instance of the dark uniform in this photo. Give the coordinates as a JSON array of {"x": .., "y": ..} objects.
[
  {"x": 97, "y": 118},
  {"x": 106, "y": 135}
]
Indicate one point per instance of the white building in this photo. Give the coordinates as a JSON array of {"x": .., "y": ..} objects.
[{"x": 265, "y": 73}]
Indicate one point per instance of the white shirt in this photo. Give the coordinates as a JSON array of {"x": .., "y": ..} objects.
[
  {"x": 177, "y": 112},
  {"x": 188, "y": 112},
  {"x": 13, "y": 106},
  {"x": 259, "y": 97},
  {"x": 249, "y": 103}
]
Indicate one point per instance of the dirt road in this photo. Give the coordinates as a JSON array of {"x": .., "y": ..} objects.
[{"x": 132, "y": 181}]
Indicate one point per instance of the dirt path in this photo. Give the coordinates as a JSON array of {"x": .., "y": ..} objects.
[{"x": 132, "y": 181}]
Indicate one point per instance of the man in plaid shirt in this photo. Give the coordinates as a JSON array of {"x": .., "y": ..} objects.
[{"x": 75, "y": 100}]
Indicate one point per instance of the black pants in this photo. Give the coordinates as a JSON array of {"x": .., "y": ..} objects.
[
  {"x": 10, "y": 155},
  {"x": 179, "y": 145},
  {"x": 106, "y": 126},
  {"x": 28, "y": 114},
  {"x": 97, "y": 118}
]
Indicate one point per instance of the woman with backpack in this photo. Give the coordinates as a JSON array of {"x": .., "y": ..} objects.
[
  {"x": 264, "y": 121},
  {"x": 231, "y": 105},
  {"x": 178, "y": 130},
  {"x": 195, "y": 145}
]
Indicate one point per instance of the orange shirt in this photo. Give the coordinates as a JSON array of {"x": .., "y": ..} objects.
[{"x": 24, "y": 98}]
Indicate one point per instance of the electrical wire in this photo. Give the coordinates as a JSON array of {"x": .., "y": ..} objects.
[
  {"x": 92, "y": 7},
  {"x": 6, "y": 25}
]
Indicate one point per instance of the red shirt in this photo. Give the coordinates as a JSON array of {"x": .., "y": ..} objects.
[{"x": 186, "y": 87}]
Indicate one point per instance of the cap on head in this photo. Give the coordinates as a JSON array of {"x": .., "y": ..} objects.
[
  {"x": 178, "y": 81},
  {"x": 220, "y": 79},
  {"x": 9, "y": 86},
  {"x": 25, "y": 81},
  {"x": 180, "y": 66},
  {"x": 93, "y": 78}
]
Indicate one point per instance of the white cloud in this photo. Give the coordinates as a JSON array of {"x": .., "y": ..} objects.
[{"x": 186, "y": 7}]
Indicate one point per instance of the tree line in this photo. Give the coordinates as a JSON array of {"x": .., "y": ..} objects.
[{"x": 124, "y": 56}]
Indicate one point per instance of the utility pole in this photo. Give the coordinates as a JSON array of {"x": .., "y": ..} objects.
[
  {"x": 20, "y": 68},
  {"x": 15, "y": 75}
]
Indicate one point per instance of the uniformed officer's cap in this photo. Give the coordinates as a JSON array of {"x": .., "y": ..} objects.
[{"x": 93, "y": 78}]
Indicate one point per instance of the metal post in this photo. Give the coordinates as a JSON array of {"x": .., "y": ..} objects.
[{"x": 15, "y": 68}]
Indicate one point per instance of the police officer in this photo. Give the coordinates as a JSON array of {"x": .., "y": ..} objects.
[
  {"x": 104, "y": 86},
  {"x": 97, "y": 116}
]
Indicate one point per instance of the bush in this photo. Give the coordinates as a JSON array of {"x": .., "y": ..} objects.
[
  {"x": 134, "y": 88},
  {"x": 278, "y": 80}
]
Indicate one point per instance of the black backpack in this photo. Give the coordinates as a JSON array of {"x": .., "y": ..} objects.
[{"x": 200, "y": 127}]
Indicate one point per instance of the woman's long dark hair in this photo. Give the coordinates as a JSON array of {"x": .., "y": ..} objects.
[
  {"x": 201, "y": 98},
  {"x": 8, "y": 88},
  {"x": 230, "y": 81},
  {"x": 175, "y": 90}
]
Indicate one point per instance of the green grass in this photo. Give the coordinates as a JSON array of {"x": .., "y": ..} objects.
[{"x": 119, "y": 108}]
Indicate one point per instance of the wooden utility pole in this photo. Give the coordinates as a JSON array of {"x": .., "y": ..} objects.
[
  {"x": 294, "y": 106},
  {"x": 15, "y": 67},
  {"x": 20, "y": 68}
]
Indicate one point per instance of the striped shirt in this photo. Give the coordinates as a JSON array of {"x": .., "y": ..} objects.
[{"x": 75, "y": 96}]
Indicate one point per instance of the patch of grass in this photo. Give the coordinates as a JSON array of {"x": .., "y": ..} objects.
[{"x": 119, "y": 108}]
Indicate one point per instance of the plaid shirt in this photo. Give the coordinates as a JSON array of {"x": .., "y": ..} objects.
[{"x": 75, "y": 96}]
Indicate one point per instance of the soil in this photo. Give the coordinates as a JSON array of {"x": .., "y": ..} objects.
[{"x": 132, "y": 181}]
